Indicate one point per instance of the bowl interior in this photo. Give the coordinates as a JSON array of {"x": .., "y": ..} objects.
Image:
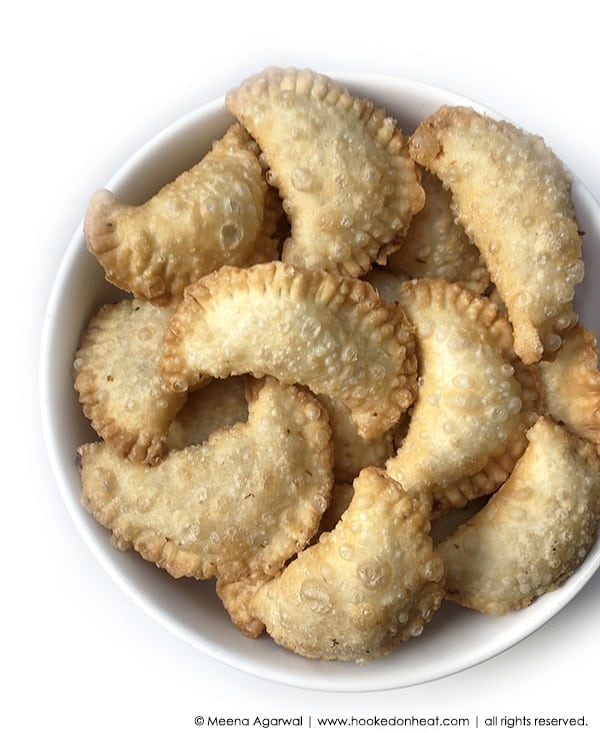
[{"x": 188, "y": 608}]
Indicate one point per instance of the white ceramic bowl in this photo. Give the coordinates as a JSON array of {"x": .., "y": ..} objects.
[{"x": 456, "y": 638}]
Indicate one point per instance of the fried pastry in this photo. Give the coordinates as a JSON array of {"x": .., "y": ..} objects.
[
  {"x": 340, "y": 164},
  {"x": 369, "y": 584},
  {"x": 242, "y": 503},
  {"x": 351, "y": 452},
  {"x": 220, "y": 404},
  {"x": 534, "y": 532},
  {"x": 475, "y": 401},
  {"x": 512, "y": 195},
  {"x": 118, "y": 380},
  {"x": 571, "y": 384},
  {"x": 436, "y": 245},
  {"x": 219, "y": 212},
  {"x": 236, "y": 598},
  {"x": 331, "y": 333}
]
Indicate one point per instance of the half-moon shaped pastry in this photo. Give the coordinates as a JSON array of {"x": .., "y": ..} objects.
[
  {"x": 220, "y": 212},
  {"x": 534, "y": 532},
  {"x": 331, "y": 333},
  {"x": 367, "y": 585},
  {"x": 475, "y": 401},
  {"x": 513, "y": 197},
  {"x": 340, "y": 164},
  {"x": 242, "y": 503}
]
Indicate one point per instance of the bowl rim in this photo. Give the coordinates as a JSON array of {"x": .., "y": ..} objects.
[{"x": 318, "y": 675}]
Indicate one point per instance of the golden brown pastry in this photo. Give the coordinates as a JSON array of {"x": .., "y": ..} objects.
[
  {"x": 219, "y": 212},
  {"x": 118, "y": 380},
  {"x": 351, "y": 452},
  {"x": 436, "y": 245},
  {"x": 325, "y": 331},
  {"x": 513, "y": 197},
  {"x": 367, "y": 585},
  {"x": 571, "y": 384},
  {"x": 340, "y": 164},
  {"x": 475, "y": 402},
  {"x": 242, "y": 503},
  {"x": 236, "y": 598},
  {"x": 534, "y": 532}
]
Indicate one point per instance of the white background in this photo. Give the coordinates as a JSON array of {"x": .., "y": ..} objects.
[{"x": 83, "y": 85}]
